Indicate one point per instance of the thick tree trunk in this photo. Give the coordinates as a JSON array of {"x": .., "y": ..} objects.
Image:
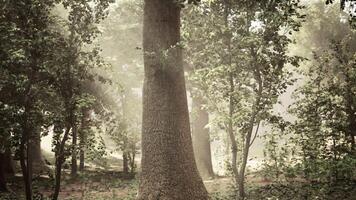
[
  {"x": 201, "y": 139},
  {"x": 169, "y": 171}
]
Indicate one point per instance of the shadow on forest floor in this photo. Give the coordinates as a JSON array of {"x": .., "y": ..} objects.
[{"x": 112, "y": 185}]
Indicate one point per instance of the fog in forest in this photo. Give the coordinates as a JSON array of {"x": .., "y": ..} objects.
[{"x": 178, "y": 99}]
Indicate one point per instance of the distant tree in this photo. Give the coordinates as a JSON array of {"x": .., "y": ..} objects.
[
  {"x": 124, "y": 25},
  {"x": 324, "y": 129}
]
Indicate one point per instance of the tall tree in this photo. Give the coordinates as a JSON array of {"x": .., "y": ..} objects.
[
  {"x": 168, "y": 166},
  {"x": 241, "y": 63},
  {"x": 325, "y": 104},
  {"x": 201, "y": 138}
]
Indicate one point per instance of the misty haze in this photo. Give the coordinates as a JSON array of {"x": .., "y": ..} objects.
[{"x": 177, "y": 100}]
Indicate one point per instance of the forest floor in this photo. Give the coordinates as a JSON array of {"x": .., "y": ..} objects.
[
  {"x": 112, "y": 185},
  {"x": 102, "y": 181}
]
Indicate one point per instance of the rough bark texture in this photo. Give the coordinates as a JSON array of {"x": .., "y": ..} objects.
[
  {"x": 168, "y": 166},
  {"x": 201, "y": 139}
]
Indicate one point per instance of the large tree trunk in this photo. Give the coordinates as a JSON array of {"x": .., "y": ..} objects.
[
  {"x": 201, "y": 139},
  {"x": 169, "y": 171}
]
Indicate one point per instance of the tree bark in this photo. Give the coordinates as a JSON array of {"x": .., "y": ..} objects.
[
  {"x": 201, "y": 139},
  {"x": 81, "y": 159},
  {"x": 82, "y": 138},
  {"x": 74, "y": 166},
  {"x": 3, "y": 186},
  {"x": 351, "y": 116},
  {"x": 169, "y": 171},
  {"x": 125, "y": 162},
  {"x": 231, "y": 133},
  {"x": 8, "y": 162},
  {"x": 25, "y": 146},
  {"x": 60, "y": 159},
  {"x": 247, "y": 144},
  {"x": 228, "y": 61},
  {"x": 39, "y": 165}
]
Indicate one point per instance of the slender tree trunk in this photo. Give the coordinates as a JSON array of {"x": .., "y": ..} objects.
[
  {"x": 3, "y": 186},
  {"x": 8, "y": 162},
  {"x": 125, "y": 150},
  {"x": 351, "y": 116},
  {"x": 82, "y": 138},
  {"x": 25, "y": 148},
  {"x": 81, "y": 160},
  {"x": 201, "y": 139},
  {"x": 169, "y": 171},
  {"x": 60, "y": 154},
  {"x": 247, "y": 144},
  {"x": 39, "y": 165},
  {"x": 60, "y": 159},
  {"x": 132, "y": 161},
  {"x": 25, "y": 161},
  {"x": 231, "y": 132},
  {"x": 228, "y": 61},
  {"x": 125, "y": 162},
  {"x": 74, "y": 166}
]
